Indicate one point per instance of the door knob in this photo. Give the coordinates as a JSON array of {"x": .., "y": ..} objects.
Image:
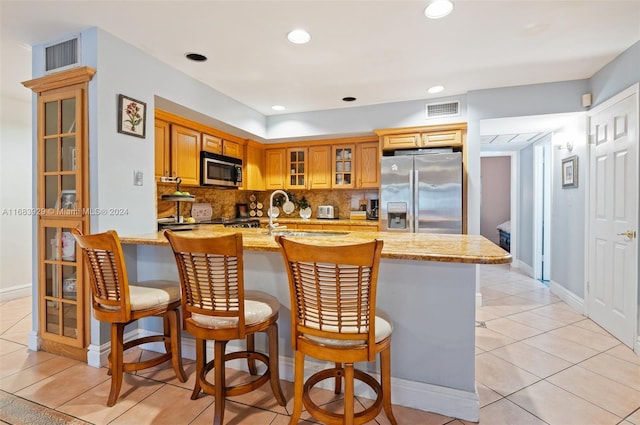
[{"x": 629, "y": 234}]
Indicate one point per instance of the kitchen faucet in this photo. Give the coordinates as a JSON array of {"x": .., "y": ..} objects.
[{"x": 273, "y": 225}]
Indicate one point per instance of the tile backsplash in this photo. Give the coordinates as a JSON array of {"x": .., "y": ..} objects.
[{"x": 223, "y": 201}]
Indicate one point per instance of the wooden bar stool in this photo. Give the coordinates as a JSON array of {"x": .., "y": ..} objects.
[
  {"x": 216, "y": 307},
  {"x": 118, "y": 302},
  {"x": 333, "y": 318}
]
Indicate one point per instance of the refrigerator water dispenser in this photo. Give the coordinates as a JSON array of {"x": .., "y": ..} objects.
[{"x": 397, "y": 215}]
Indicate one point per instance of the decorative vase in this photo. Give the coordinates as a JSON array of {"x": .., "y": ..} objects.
[
  {"x": 305, "y": 213},
  {"x": 273, "y": 212}
]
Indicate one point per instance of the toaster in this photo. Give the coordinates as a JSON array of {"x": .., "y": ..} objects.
[{"x": 327, "y": 211}]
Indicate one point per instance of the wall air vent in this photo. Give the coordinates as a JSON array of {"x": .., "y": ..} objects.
[
  {"x": 62, "y": 55},
  {"x": 439, "y": 110}
]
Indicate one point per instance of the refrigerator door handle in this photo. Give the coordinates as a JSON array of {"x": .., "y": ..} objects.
[
  {"x": 415, "y": 194},
  {"x": 409, "y": 204}
]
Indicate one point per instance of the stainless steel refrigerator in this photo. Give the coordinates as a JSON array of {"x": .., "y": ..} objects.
[{"x": 421, "y": 193}]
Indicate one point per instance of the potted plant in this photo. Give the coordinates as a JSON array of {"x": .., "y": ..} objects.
[{"x": 305, "y": 208}]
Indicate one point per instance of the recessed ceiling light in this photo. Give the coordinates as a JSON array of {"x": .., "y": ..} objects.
[
  {"x": 299, "y": 37},
  {"x": 278, "y": 108},
  {"x": 196, "y": 57},
  {"x": 435, "y": 89},
  {"x": 438, "y": 9},
  {"x": 349, "y": 99}
]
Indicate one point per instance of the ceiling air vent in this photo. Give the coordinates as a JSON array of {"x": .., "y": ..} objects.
[
  {"x": 447, "y": 109},
  {"x": 62, "y": 55}
]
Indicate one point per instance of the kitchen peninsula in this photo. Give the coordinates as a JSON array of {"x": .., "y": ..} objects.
[{"x": 426, "y": 285}]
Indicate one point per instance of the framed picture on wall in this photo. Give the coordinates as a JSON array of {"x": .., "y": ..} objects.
[
  {"x": 131, "y": 116},
  {"x": 570, "y": 172}
]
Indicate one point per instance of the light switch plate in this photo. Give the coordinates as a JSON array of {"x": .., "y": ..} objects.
[{"x": 138, "y": 178}]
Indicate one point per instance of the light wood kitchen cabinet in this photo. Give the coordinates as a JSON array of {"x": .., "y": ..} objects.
[
  {"x": 342, "y": 166},
  {"x": 163, "y": 149},
  {"x": 232, "y": 149},
  {"x": 296, "y": 168},
  {"x": 445, "y": 135},
  {"x": 401, "y": 141},
  {"x": 253, "y": 178},
  {"x": 274, "y": 168},
  {"x": 442, "y": 138},
  {"x": 319, "y": 167},
  {"x": 215, "y": 144},
  {"x": 185, "y": 154},
  {"x": 368, "y": 165},
  {"x": 62, "y": 184},
  {"x": 211, "y": 143}
]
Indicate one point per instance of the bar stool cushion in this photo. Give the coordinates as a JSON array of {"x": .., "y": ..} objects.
[
  {"x": 150, "y": 294},
  {"x": 258, "y": 307},
  {"x": 384, "y": 329}
]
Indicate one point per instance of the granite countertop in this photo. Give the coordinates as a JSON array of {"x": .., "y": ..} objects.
[{"x": 469, "y": 249}]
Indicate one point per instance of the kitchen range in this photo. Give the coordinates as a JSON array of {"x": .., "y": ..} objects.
[{"x": 201, "y": 213}]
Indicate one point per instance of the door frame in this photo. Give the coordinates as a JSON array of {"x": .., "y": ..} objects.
[
  {"x": 635, "y": 88},
  {"x": 515, "y": 196},
  {"x": 542, "y": 208}
]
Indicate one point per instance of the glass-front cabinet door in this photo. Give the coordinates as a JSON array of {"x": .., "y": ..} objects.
[
  {"x": 62, "y": 205},
  {"x": 60, "y": 291},
  {"x": 297, "y": 170},
  {"x": 343, "y": 170},
  {"x": 59, "y": 154}
]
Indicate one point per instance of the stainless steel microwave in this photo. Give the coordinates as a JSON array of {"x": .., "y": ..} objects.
[{"x": 220, "y": 170}]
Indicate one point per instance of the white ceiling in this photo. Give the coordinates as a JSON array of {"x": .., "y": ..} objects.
[{"x": 378, "y": 51}]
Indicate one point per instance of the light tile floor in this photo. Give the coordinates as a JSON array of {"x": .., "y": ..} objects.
[{"x": 537, "y": 362}]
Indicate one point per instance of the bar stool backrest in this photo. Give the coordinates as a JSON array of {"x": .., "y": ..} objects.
[
  {"x": 107, "y": 274},
  {"x": 333, "y": 291},
  {"x": 212, "y": 277}
]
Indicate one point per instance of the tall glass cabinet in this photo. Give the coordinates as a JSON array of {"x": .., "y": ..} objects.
[{"x": 62, "y": 204}]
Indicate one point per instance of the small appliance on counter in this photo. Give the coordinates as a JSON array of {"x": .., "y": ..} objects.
[
  {"x": 373, "y": 213},
  {"x": 327, "y": 211}
]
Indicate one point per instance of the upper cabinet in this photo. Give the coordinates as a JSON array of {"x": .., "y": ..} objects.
[
  {"x": 163, "y": 149},
  {"x": 297, "y": 167},
  {"x": 179, "y": 141},
  {"x": 446, "y": 135},
  {"x": 185, "y": 154},
  {"x": 274, "y": 168},
  {"x": 253, "y": 178},
  {"x": 342, "y": 166},
  {"x": 326, "y": 164},
  {"x": 220, "y": 146},
  {"x": 368, "y": 165},
  {"x": 319, "y": 167},
  {"x": 211, "y": 143}
]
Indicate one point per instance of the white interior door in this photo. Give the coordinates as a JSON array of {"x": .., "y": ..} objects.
[{"x": 613, "y": 216}]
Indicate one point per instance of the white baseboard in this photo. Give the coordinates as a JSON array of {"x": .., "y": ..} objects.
[
  {"x": 525, "y": 268},
  {"x": 14, "y": 292},
  {"x": 33, "y": 341},
  {"x": 637, "y": 347},
  {"x": 97, "y": 355},
  {"x": 567, "y": 296}
]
